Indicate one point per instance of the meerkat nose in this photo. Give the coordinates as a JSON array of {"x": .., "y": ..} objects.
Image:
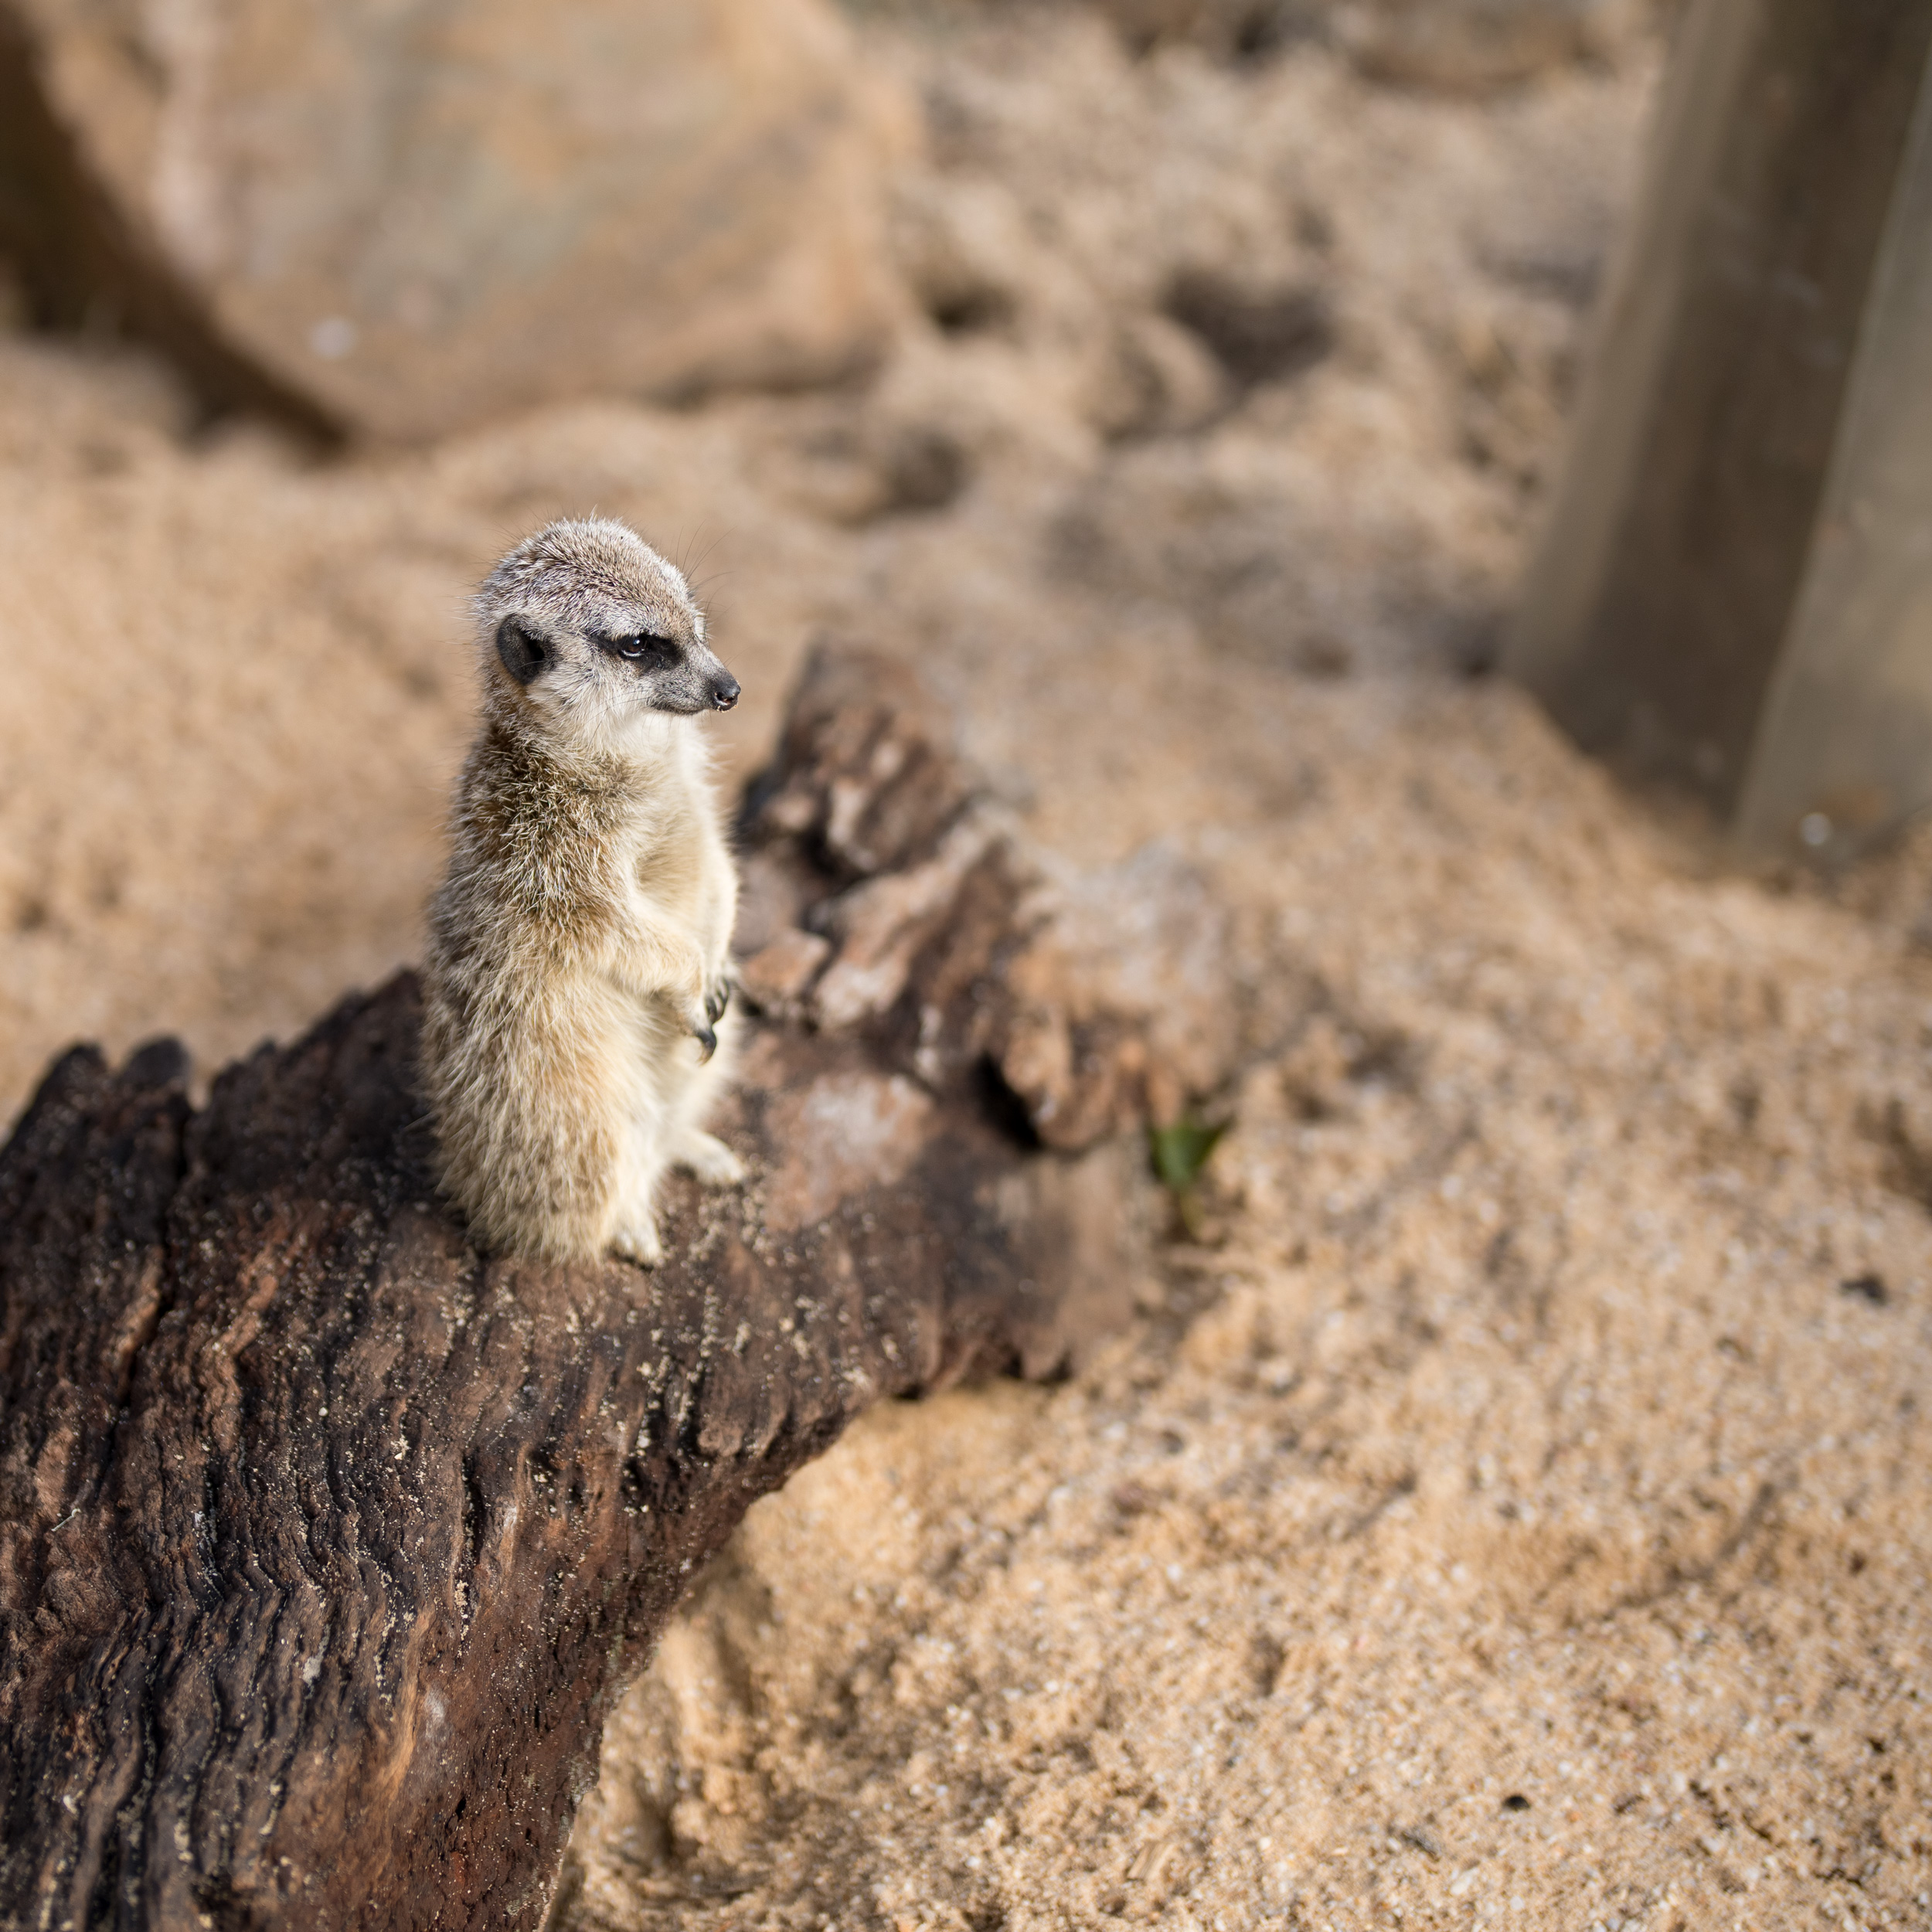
[{"x": 724, "y": 692}]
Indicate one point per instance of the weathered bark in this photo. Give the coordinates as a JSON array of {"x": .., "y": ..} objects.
[{"x": 325, "y": 1540}]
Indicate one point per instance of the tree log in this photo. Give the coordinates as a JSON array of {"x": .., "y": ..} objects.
[{"x": 326, "y": 1540}]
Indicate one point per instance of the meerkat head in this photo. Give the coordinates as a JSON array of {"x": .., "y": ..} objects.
[{"x": 590, "y": 633}]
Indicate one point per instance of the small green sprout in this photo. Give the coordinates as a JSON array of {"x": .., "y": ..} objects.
[{"x": 1178, "y": 1153}]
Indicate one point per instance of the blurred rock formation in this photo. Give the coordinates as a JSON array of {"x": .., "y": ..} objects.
[{"x": 399, "y": 220}]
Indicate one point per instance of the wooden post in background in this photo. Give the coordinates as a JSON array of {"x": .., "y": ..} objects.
[{"x": 1735, "y": 588}]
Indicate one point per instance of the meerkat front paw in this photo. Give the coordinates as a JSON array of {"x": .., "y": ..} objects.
[
  {"x": 638, "y": 1239},
  {"x": 698, "y": 1021},
  {"x": 718, "y": 995},
  {"x": 707, "y": 1157}
]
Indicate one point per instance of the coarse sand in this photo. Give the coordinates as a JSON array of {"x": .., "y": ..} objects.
[{"x": 1512, "y": 1508}]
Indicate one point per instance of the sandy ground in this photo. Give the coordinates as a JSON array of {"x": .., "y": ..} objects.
[{"x": 1512, "y": 1510}]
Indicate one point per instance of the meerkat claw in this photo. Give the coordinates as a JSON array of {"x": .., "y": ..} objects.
[
  {"x": 716, "y": 1000},
  {"x": 697, "y": 1017}
]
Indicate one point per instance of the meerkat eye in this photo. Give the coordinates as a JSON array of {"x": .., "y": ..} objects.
[{"x": 642, "y": 648}]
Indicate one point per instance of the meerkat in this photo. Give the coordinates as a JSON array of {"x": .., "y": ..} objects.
[{"x": 574, "y": 1028}]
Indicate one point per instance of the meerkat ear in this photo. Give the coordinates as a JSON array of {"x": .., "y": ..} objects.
[{"x": 523, "y": 652}]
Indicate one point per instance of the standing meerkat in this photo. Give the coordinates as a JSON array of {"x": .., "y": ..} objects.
[{"x": 575, "y": 991}]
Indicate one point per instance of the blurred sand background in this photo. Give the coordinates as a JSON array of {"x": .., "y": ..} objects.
[{"x": 1512, "y": 1510}]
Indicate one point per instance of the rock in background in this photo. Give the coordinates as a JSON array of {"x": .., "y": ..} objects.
[{"x": 400, "y": 219}]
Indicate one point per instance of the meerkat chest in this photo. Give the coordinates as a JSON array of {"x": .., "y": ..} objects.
[{"x": 667, "y": 854}]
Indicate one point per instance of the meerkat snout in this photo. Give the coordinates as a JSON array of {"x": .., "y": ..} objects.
[{"x": 576, "y": 983}]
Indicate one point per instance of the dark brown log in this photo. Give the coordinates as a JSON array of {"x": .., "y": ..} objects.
[{"x": 326, "y": 1541}]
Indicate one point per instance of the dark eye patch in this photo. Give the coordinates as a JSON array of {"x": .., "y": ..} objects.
[{"x": 641, "y": 649}]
